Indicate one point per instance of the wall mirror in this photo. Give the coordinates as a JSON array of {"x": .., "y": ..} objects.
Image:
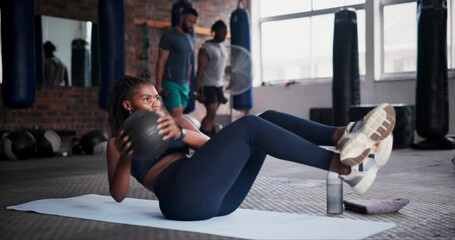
[{"x": 73, "y": 48}]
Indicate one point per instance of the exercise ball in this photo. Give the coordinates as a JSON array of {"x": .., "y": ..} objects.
[
  {"x": 91, "y": 139},
  {"x": 19, "y": 145},
  {"x": 141, "y": 128},
  {"x": 48, "y": 142}
]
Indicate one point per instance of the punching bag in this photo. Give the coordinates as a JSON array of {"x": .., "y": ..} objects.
[
  {"x": 18, "y": 53},
  {"x": 80, "y": 63},
  {"x": 111, "y": 33},
  {"x": 176, "y": 9},
  {"x": 39, "y": 56},
  {"x": 432, "y": 104},
  {"x": 240, "y": 35},
  {"x": 345, "y": 85}
]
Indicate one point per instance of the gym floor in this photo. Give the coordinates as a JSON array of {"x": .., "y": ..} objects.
[{"x": 426, "y": 178}]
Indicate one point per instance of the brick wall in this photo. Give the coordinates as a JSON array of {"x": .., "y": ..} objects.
[
  {"x": 209, "y": 12},
  {"x": 76, "y": 108},
  {"x": 84, "y": 10},
  {"x": 59, "y": 108}
]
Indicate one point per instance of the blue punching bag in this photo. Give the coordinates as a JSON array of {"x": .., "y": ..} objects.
[
  {"x": 240, "y": 35},
  {"x": 111, "y": 35},
  {"x": 176, "y": 9},
  {"x": 18, "y": 53}
]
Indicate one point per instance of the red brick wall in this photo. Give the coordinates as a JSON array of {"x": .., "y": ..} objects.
[
  {"x": 85, "y": 10},
  {"x": 77, "y": 108},
  {"x": 59, "y": 108},
  {"x": 209, "y": 12}
]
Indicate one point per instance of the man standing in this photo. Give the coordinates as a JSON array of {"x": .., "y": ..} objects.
[
  {"x": 173, "y": 67},
  {"x": 212, "y": 59}
]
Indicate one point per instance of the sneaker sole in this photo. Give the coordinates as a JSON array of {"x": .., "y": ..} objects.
[
  {"x": 378, "y": 124},
  {"x": 382, "y": 157}
]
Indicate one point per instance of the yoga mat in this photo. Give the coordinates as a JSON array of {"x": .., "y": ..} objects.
[{"x": 243, "y": 223}]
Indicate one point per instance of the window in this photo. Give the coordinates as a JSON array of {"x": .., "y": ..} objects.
[
  {"x": 451, "y": 34},
  {"x": 400, "y": 38},
  {"x": 285, "y": 58},
  {"x": 273, "y": 7},
  {"x": 297, "y": 38}
]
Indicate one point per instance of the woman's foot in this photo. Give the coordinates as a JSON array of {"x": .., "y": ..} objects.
[
  {"x": 361, "y": 179},
  {"x": 362, "y": 136}
]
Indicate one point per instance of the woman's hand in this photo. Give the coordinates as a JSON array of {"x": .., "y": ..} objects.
[
  {"x": 168, "y": 128},
  {"x": 123, "y": 144}
]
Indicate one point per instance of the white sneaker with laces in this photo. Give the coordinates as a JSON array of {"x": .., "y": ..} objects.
[
  {"x": 361, "y": 179},
  {"x": 361, "y": 136}
]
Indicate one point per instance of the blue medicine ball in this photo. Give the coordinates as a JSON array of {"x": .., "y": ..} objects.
[{"x": 141, "y": 128}]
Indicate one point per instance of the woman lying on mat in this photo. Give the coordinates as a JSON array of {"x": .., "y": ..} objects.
[{"x": 218, "y": 176}]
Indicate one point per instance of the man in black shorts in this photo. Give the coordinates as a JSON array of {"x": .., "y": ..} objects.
[{"x": 212, "y": 59}]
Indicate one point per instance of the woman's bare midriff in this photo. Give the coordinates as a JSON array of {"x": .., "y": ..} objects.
[{"x": 154, "y": 172}]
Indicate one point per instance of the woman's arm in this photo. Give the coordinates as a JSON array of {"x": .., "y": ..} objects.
[
  {"x": 119, "y": 166},
  {"x": 169, "y": 128},
  {"x": 194, "y": 139}
]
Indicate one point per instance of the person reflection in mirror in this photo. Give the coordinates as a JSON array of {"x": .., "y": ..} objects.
[{"x": 55, "y": 72}]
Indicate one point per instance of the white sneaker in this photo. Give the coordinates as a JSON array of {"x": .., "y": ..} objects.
[
  {"x": 361, "y": 180},
  {"x": 363, "y": 135}
]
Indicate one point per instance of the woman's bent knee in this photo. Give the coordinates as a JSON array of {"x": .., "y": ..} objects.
[{"x": 267, "y": 114}]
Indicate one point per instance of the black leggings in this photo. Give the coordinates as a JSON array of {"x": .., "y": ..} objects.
[{"x": 217, "y": 178}]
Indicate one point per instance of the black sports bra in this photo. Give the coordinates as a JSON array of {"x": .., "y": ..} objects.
[{"x": 139, "y": 168}]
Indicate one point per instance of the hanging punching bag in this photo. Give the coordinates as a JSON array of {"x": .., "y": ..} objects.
[
  {"x": 176, "y": 9},
  {"x": 80, "y": 63},
  {"x": 432, "y": 105},
  {"x": 111, "y": 33},
  {"x": 345, "y": 85},
  {"x": 240, "y": 35},
  {"x": 39, "y": 66},
  {"x": 18, "y": 53}
]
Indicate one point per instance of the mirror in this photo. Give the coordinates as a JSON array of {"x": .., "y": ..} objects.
[{"x": 72, "y": 40}]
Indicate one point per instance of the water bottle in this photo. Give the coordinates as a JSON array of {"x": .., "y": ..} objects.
[{"x": 334, "y": 193}]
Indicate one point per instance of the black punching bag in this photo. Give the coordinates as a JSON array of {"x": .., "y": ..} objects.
[
  {"x": 345, "y": 85},
  {"x": 18, "y": 53},
  {"x": 111, "y": 36},
  {"x": 432, "y": 104},
  {"x": 80, "y": 63}
]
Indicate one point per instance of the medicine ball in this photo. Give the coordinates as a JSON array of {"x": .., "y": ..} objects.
[
  {"x": 141, "y": 128},
  {"x": 48, "y": 142},
  {"x": 76, "y": 146},
  {"x": 90, "y": 140},
  {"x": 3, "y": 134},
  {"x": 19, "y": 145}
]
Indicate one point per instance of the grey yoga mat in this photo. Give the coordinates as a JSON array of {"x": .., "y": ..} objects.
[{"x": 243, "y": 223}]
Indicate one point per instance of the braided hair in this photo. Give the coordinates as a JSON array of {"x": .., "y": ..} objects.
[{"x": 121, "y": 91}]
